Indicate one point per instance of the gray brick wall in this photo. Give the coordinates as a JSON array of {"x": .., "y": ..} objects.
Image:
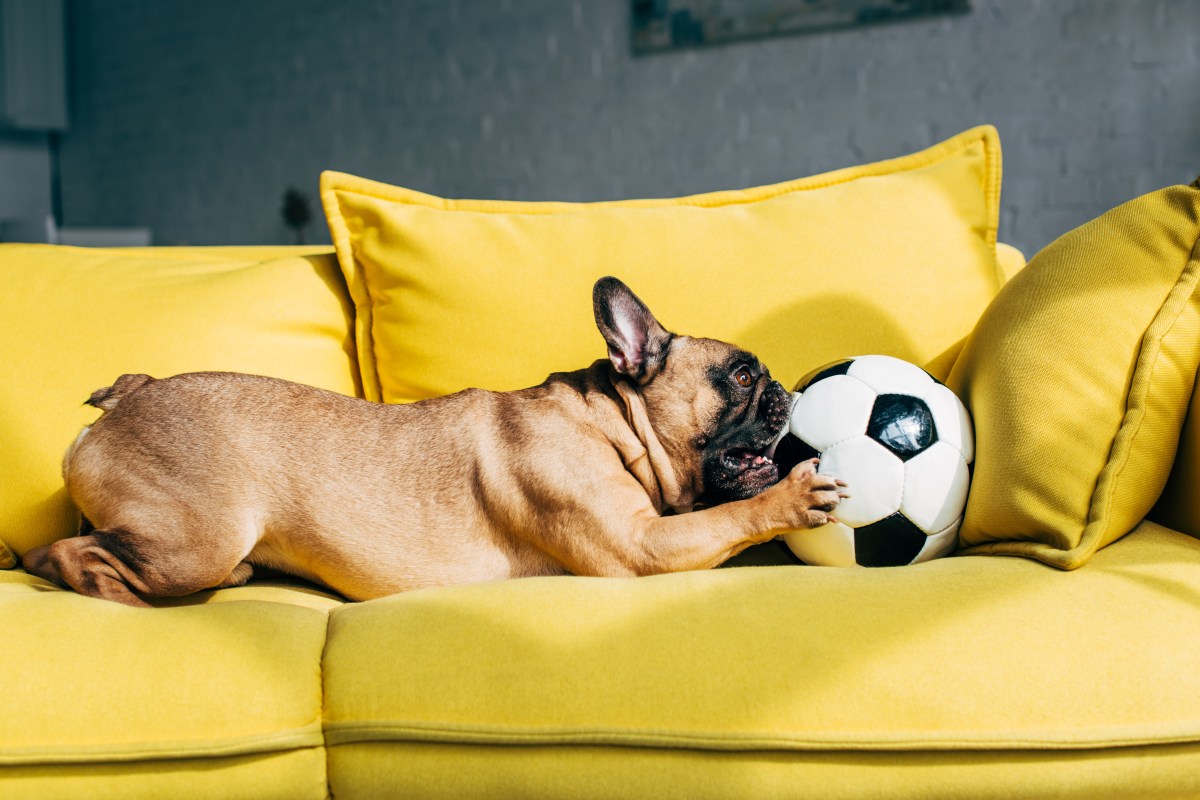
[
  {"x": 193, "y": 118},
  {"x": 24, "y": 177}
]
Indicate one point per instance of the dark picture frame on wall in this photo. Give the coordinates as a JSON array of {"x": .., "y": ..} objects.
[{"x": 660, "y": 25}]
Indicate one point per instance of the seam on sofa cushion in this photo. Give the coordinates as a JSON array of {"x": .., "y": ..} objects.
[
  {"x": 324, "y": 694},
  {"x": 344, "y": 733},
  {"x": 310, "y": 735}
]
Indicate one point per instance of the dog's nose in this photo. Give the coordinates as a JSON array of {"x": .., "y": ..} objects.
[
  {"x": 775, "y": 393},
  {"x": 775, "y": 404}
]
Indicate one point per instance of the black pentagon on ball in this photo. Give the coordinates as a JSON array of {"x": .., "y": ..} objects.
[
  {"x": 892, "y": 542},
  {"x": 903, "y": 424},
  {"x": 840, "y": 367}
]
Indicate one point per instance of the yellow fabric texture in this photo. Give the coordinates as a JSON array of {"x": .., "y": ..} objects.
[
  {"x": 479, "y": 772},
  {"x": 74, "y": 319},
  {"x": 1078, "y": 377},
  {"x": 1010, "y": 261},
  {"x": 932, "y": 670},
  {"x": 158, "y": 702},
  {"x": 286, "y": 775},
  {"x": 893, "y": 257},
  {"x": 570, "y": 687}
]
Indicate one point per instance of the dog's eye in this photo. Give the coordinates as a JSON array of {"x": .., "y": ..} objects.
[{"x": 744, "y": 378}]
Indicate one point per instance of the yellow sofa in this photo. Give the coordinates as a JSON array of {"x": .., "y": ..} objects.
[{"x": 969, "y": 676}]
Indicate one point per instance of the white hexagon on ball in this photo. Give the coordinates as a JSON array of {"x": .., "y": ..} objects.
[
  {"x": 952, "y": 420},
  {"x": 935, "y": 487},
  {"x": 830, "y": 545},
  {"x": 888, "y": 375},
  {"x": 873, "y": 475},
  {"x": 939, "y": 544},
  {"x": 831, "y": 411}
]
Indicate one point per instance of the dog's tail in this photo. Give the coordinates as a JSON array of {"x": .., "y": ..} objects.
[{"x": 106, "y": 399}]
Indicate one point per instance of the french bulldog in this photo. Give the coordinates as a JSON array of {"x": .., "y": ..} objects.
[{"x": 653, "y": 460}]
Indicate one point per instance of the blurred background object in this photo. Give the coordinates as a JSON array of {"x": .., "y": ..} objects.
[
  {"x": 670, "y": 24},
  {"x": 297, "y": 213}
]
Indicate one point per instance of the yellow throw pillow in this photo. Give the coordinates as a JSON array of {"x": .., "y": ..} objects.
[
  {"x": 72, "y": 320},
  {"x": 894, "y": 257},
  {"x": 1079, "y": 377}
]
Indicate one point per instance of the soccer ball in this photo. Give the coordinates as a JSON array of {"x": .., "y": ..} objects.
[{"x": 902, "y": 442}]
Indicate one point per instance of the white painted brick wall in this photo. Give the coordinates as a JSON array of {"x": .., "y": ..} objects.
[{"x": 193, "y": 118}]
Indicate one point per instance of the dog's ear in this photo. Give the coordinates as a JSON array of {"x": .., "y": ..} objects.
[{"x": 637, "y": 344}]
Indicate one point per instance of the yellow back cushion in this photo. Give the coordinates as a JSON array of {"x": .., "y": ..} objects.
[
  {"x": 894, "y": 257},
  {"x": 72, "y": 320},
  {"x": 1078, "y": 377}
]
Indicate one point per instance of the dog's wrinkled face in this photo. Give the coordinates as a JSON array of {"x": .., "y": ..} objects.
[
  {"x": 714, "y": 407},
  {"x": 752, "y": 414},
  {"x": 718, "y": 412}
]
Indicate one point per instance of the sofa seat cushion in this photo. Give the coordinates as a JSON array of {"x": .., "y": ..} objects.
[
  {"x": 169, "y": 702},
  {"x": 778, "y": 675}
]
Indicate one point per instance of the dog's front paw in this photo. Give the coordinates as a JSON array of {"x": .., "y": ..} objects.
[{"x": 815, "y": 496}]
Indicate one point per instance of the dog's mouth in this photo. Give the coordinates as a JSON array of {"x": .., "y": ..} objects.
[
  {"x": 761, "y": 454},
  {"x": 744, "y": 460},
  {"x": 746, "y": 466}
]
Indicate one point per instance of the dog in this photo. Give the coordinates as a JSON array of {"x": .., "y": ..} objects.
[{"x": 191, "y": 482}]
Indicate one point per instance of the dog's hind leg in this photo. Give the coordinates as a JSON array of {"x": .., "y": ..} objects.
[
  {"x": 100, "y": 564},
  {"x": 37, "y": 561},
  {"x": 120, "y": 565}
]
